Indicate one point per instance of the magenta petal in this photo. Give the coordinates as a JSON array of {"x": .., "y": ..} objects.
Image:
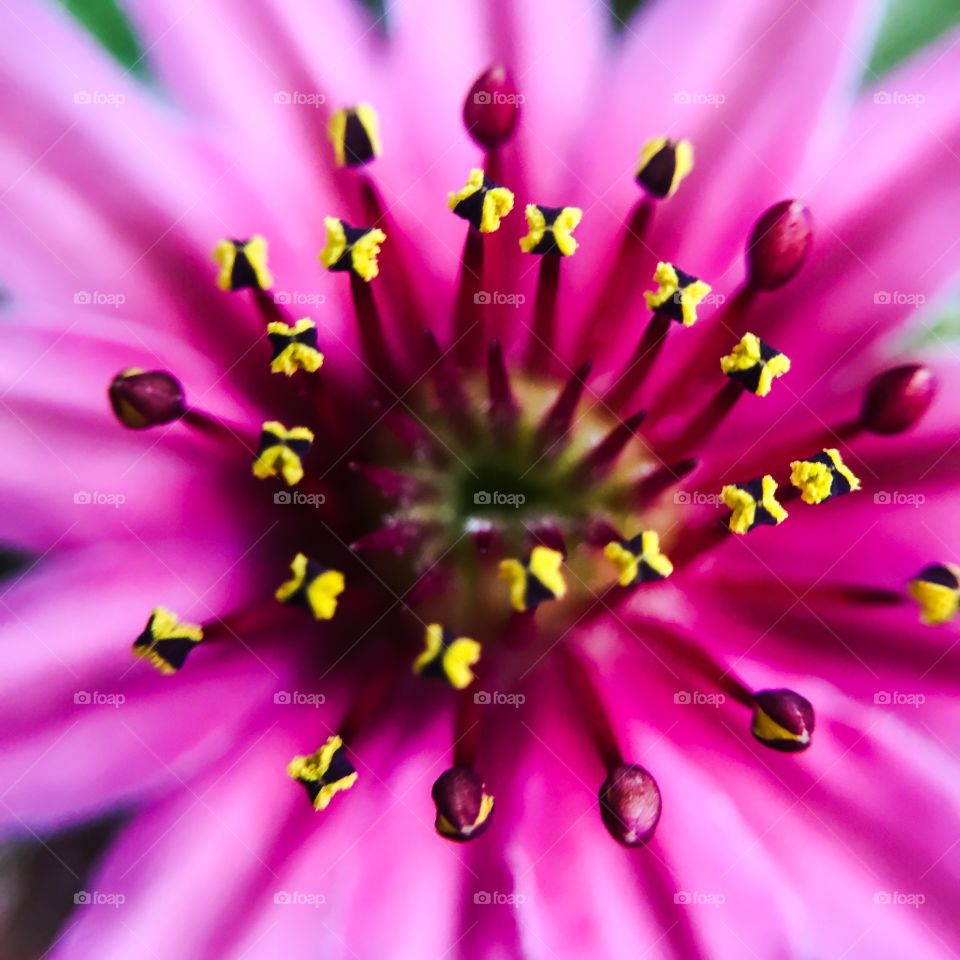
[
  {"x": 184, "y": 865},
  {"x": 871, "y": 233},
  {"x": 293, "y": 876},
  {"x": 78, "y": 705},
  {"x": 754, "y": 812},
  {"x": 73, "y": 456},
  {"x": 749, "y": 148}
]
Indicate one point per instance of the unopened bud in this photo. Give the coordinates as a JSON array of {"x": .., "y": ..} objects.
[
  {"x": 779, "y": 245},
  {"x": 492, "y": 107},
  {"x": 146, "y": 398},
  {"x": 463, "y": 807},
  {"x": 782, "y": 720},
  {"x": 630, "y": 804},
  {"x": 897, "y": 398}
]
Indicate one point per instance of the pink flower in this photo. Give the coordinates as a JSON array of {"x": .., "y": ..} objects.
[{"x": 515, "y": 613}]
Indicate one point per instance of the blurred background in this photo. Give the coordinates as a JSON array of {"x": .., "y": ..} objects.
[
  {"x": 907, "y": 26},
  {"x": 39, "y": 876}
]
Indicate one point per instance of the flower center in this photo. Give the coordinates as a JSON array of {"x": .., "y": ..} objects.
[{"x": 489, "y": 502}]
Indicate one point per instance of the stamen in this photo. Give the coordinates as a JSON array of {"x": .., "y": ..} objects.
[
  {"x": 621, "y": 280},
  {"x": 703, "y": 424},
  {"x": 590, "y": 706},
  {"x": 558, "y": 419},
  {"x": 677, "y": 297},
  {"x": 776, "y": 250},
  {"x": 282, "y": 452},
  {"x": 823, "y": 476},
  {"x": 142, "y": 398},
  {"x": 396, "y": 537},
  {"x": 779, "y": 245},
  {"x": 680, "y": 646},
  {"x": 663, "y": 165},
  {"x": 270, "y": 310},
  {"x": 503, "y": 409},
  {"x": 448, "y": 656},
  {"x": 551, "y": 230},
  {"x": 401, "y": 290},
  {"x": 166, "y": 642},
  {"x": 218, "y": 430},
  {"x": 894, "y": 401},
  {"x": 638, "y": 367},
  {"x": 755, "y": 364},
  {"x": 535, "y": 579},
  {"x": 700, "y": 541},
  {"x": 483, "y": 534},
  {"x": 936, "y": 589},
  {"x": 481, "y": 202},
  {"x": 468, "y": 323},
  {"x": 547, "y": 533},
  {"x": 630, "y": 804},
  {"x": 353, "y": 249},
  {"x": 630, "y": 801},
  {"x": 491, "y": 109},
  {"x": 678, "y": 294},
  {"x": 294, "y": 348},
  {"x": 373, "y": 340},
  {"x": 449, "y": 387},
  {"x": 650, "y": 488},
  {"x": 847, "y": 593},
  {"x": 243, "y": 264},
  {"x": 543, "y": 334},
  {"x": 639, "y": 559},
  {"x": 312, "y": 586},
  {"x": 433, "y": 582},
  {"x": 782, "y": 720},
  {"x": 897, "y": 399},
  {"x": 463, "y": 805},
  {"x": 355, "y": 135},
  {"x": 603, "y": 456},
  {"x": 412, "y": 434},
  {"x": 753, "y": 504},
  {"x": 392, "y": 483},
  {"x": 324, "y": 773}
]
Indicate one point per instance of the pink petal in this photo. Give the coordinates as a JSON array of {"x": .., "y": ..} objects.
[{"x": 72, "y": 449}]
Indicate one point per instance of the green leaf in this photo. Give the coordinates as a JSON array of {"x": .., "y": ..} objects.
[
  {"x": 111, "y": 26},
  {"x": 939, "y": 329},
  {"x": 910, "y": 25}
]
